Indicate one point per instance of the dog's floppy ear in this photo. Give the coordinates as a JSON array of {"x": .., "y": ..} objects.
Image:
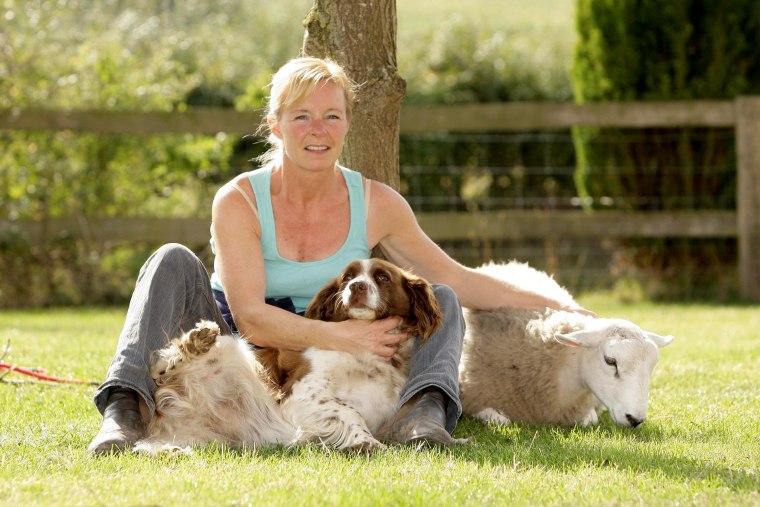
[
  {"x": 268, "y": 358},
  {"x": 324, "y": 306},
  {"x": 425, "y": 315}
]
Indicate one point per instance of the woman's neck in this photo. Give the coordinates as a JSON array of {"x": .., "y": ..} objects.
[{"x": 305, "y": 188}]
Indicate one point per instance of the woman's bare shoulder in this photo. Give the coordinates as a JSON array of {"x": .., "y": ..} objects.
[
  {"x": 385, "y": 198},
  {"x": 236, "y": 201},
  {"x": 234, "y": 186},
  {"x": 389, "y": 214}
]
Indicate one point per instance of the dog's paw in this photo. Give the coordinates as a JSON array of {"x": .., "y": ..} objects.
[
  {"x": 163, "y": 361},
  {"x": 366, "y": 445},
  {"x": 192, "y": 344},
  {"x": 200, "y": 340},
  {"x": 156, "y": 449}
]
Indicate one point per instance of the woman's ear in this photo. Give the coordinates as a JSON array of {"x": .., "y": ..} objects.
[{"x": 274, "y": 126}]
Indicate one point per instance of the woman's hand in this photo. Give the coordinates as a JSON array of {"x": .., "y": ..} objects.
[
  {"x": 578, "y": 309},
  {"x": 379, "y": 337}
]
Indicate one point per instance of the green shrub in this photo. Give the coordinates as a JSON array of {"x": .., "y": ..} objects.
[{"x": 651, "y": 50}]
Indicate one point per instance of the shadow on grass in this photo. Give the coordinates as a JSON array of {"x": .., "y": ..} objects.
[
  {"x": 563, "y": 449},
  {"x": 603, "y": 446}
]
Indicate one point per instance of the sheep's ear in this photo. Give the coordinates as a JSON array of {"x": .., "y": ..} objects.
[
  {"x": 582, "y": 338},
  {"x": 658, "y": 340}
]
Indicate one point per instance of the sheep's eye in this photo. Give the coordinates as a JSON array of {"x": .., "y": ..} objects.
[
  {"x": 611, "y": 361},
  {"x": 381, "y": 277}
]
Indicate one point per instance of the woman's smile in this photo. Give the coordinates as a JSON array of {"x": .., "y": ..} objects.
[{"x": 318, "y": 125}]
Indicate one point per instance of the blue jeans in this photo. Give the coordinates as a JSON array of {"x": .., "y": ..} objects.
[{"x": 173, "y": 293}]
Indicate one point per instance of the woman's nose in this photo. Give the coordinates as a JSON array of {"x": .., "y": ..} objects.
[{"x": 317, "y": 127}]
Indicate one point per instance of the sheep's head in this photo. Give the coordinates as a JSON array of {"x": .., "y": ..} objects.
[{"x": 617, "y": 361}]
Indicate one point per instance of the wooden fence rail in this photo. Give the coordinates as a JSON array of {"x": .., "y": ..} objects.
[
  {"x": 508, "y": 116},
  {"x": 742, "y": 114},
  {"x": 445, "y": 226}
]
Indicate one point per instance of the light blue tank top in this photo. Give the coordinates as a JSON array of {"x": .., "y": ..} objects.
[{"x": 300, "y": 281}]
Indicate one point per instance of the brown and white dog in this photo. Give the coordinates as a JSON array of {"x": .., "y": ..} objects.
[{"x": 212, "y": 387}]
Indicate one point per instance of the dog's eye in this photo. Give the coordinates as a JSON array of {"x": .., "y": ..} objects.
[
  {"x": 382, "y": 277},
  {"x": 348, "y": 276}
]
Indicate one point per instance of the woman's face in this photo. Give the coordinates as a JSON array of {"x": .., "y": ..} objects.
[{"x": 313, "y": 130}]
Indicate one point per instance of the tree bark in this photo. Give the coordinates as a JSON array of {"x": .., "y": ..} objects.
[{"x": 361, "y": 37}]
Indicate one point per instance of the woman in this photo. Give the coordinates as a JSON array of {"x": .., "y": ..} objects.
[{"x": 279, "y": 234}]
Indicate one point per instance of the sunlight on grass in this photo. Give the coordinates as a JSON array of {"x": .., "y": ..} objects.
[{"x": 699, "y": 445}]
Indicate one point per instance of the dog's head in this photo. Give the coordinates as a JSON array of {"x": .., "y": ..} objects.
[{"x": 374, "y": 289}]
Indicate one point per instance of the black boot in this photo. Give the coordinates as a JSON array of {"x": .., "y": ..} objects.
[
  {"x": 122, "y": 423},
  {"x": 423, "y": 420}
]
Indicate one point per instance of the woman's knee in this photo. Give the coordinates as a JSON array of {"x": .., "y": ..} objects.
[
  {"x": 449, "y": 303},
  {"x": 171, "y": 258},
  {"x": 174, "y": 255},
  {"x": 175, "y": 252},
  {"x": 446, "y": 297}
]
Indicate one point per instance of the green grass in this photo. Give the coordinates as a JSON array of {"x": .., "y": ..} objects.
[{"x": 700, "y": 445}]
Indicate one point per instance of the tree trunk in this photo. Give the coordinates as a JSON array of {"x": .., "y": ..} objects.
[{"x": 361, "y": 36}]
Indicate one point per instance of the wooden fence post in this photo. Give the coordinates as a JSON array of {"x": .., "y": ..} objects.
[{"x": 748, "y": 194}]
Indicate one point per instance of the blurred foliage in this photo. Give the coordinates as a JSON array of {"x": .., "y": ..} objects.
[
  {"x": 166, "y": 55},
  {"x": 137, "y": 55},
  {"x": 462, "y": 63},
  {"x": 141, "y": 54},
  {"x": 163, "y": 55},
  {"x": 652, "y": 50}
]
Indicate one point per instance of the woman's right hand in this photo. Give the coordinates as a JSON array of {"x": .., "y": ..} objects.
[{"x": 381, "y": 337}]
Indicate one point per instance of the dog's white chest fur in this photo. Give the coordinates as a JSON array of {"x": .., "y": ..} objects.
[{"x": 339, "y": 381}]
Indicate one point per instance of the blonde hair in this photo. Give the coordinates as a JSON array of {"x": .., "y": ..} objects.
[{"x": 292, "y": 83}]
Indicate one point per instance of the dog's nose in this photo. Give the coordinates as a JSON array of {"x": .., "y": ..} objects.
[
  {"x": 634, "y": 422},
  {"x": 359, "y": 286}
]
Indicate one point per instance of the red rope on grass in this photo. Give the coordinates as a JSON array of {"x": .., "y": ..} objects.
[{"x": 41, "y": 375}]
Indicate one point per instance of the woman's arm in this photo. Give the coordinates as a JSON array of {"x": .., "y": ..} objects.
[
  {"x": 393, "y": 226},
  {"x": 240, "y": 261}
]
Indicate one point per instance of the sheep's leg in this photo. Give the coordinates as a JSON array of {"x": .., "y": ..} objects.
[
  {"x": 592, "y": 417},
  {"x": 492, "y": 416}
]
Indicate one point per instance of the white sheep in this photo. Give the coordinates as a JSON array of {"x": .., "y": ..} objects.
[{"x": 553, "y": 366}]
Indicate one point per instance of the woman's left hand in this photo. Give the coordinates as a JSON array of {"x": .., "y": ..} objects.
[{"x": 578, "y": 309}]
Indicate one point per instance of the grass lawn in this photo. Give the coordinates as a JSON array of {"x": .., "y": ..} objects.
[{"x": 700, "y": 446}]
